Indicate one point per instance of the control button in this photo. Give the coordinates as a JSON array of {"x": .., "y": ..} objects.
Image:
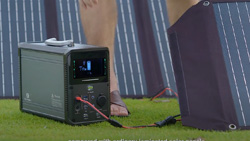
[
  {"x": 85, "y": 115},
  {"x": 98, "y": 115},
  {"x": 101, "y": 100},
  {"x": 86, "y": 106}
]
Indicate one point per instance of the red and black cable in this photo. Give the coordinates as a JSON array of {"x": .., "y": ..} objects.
[{"x": 169, "y": 120}]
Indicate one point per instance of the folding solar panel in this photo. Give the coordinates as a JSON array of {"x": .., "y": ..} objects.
[{"x": 210, "y": 47}]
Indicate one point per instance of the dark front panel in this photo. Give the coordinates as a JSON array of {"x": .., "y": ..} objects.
[
  {"x": 88, "y": 78},
  {"x": 233, "y": 21}
]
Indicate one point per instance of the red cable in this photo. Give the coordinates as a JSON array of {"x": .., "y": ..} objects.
[{"x": 163, "y": 92}]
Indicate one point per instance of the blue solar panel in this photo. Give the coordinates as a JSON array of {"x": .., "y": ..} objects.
[
  {"x": 160, "y": 24},
  {"x": 128, "y": 60},
  {"x": 233, "y": 25},
  {"x": 69, "y": 23},
  {"x": 20, "y": 21}
]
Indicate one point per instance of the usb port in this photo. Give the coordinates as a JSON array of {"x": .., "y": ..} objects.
[{"x": 85, "y": 97}]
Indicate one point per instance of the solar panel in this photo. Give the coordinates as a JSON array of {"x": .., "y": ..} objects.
[
  {"x": 210, "y": 50},
  {"x": 233, "y": 26},
  {"x": 128, "y": 58},
  {"x": 160, "y": 24},
  {"x": 20, "y": 21}
]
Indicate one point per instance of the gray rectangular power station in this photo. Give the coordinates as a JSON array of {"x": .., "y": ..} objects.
[{"x": 51, "y": 78}]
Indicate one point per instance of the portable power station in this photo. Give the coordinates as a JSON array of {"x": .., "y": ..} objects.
[{"x": 52, "y": 77}]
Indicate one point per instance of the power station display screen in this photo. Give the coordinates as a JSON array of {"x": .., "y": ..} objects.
[{"x": 86, "y": 68}]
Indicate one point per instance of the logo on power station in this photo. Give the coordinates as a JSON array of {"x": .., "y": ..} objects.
[
  {"x": 27, "y": 97},
  {"x": 90, "y": 88}
]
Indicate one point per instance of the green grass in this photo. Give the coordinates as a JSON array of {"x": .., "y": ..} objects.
[{"x": 15, "y": 125}]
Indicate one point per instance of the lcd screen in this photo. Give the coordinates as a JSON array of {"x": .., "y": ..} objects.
[{"x": 89, "y": 68}]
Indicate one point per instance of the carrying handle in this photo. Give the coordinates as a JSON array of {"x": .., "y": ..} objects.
[{"x": 54, "y": 42}]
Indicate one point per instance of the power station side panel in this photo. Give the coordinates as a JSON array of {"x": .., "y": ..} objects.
[{"x": 42, "y": 83}]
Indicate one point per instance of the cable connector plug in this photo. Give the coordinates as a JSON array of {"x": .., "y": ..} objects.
[
  {"x": 169, "y": 120},
  {"x": 115, "y": 123},
  {"x": 78, "y": 98}
]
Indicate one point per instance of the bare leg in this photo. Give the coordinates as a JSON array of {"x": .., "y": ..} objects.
[
  {"x": 99, "y": 22},
  {"x": 176, "y": 8}
]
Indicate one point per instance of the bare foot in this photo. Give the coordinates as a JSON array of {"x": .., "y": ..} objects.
[{"x": 117, "y": 110}]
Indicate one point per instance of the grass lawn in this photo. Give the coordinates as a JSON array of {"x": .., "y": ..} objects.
[{"x": 15, "y": 125}]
